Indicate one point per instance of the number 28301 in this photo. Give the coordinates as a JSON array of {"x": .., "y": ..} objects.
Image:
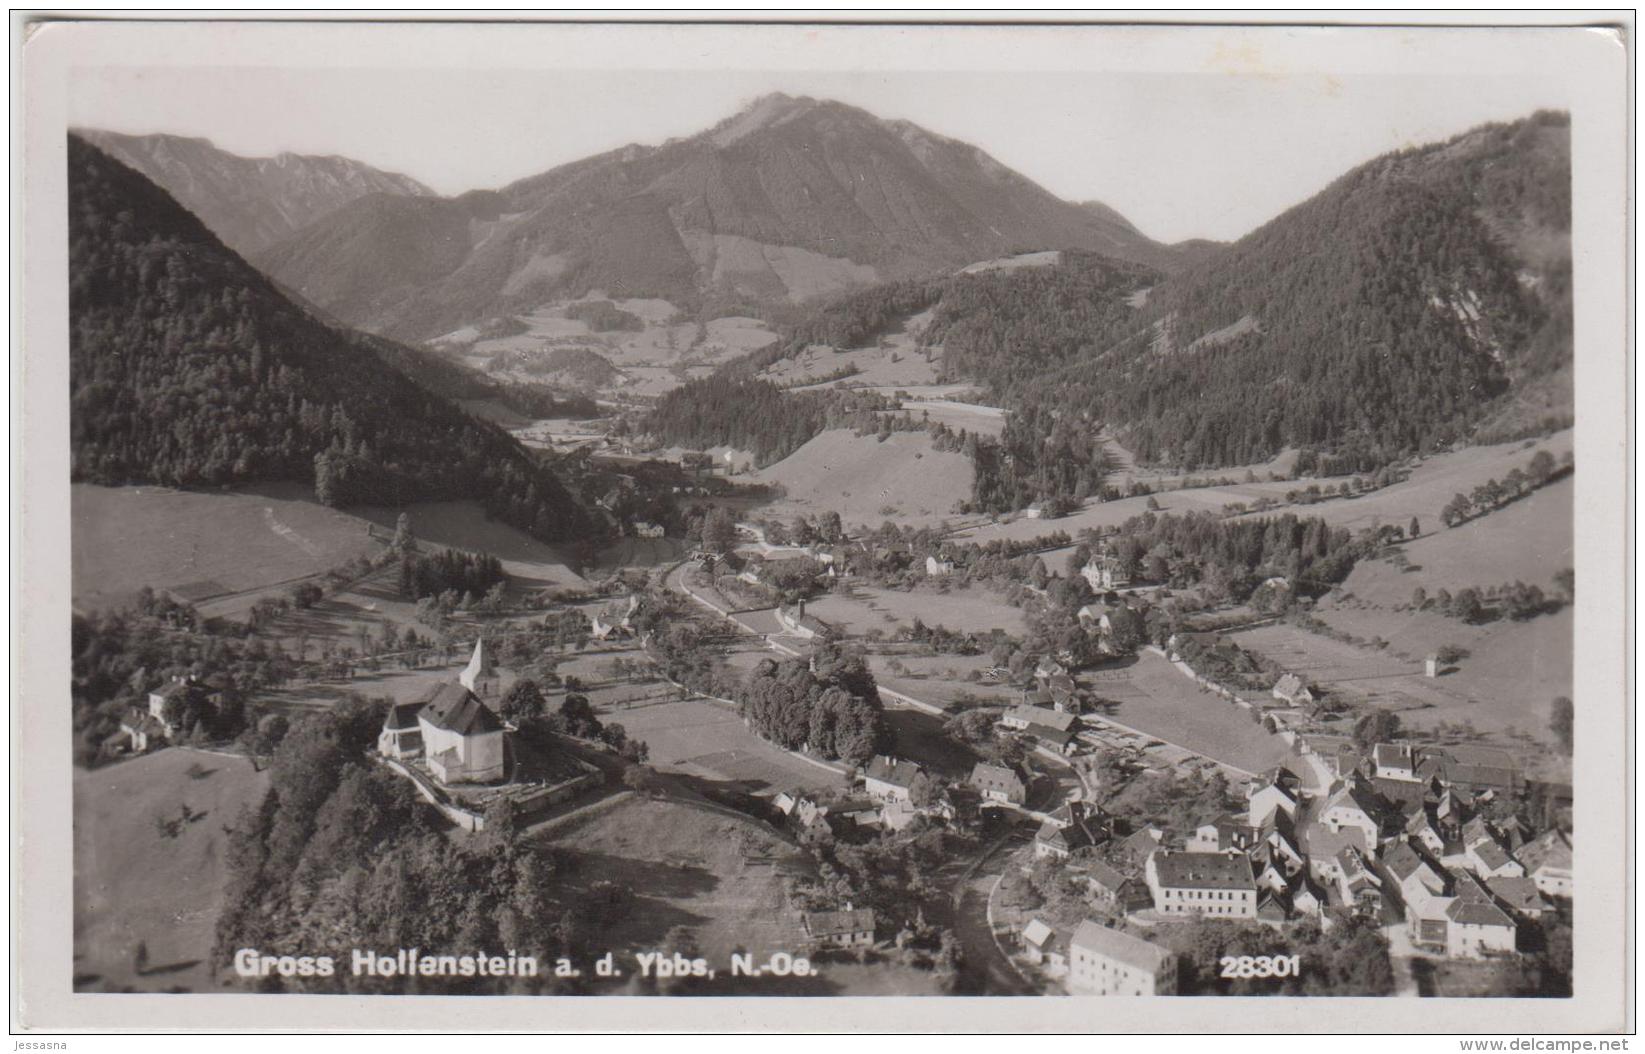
[{"x": 1261, "y": 965}]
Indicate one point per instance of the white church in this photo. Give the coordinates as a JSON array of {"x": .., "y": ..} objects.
[{"x": 450, "y": 727}]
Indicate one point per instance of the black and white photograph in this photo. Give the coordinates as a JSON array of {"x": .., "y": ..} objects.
[{"x": 799, "y": 511}]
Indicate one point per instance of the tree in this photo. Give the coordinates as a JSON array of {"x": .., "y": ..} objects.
[
  {"x": 523, "y": 702},
  {"x": 1415, "y": 528},
  {"x": 1467, "y": 605},
  {"x": 404, "y": 540},
  {"x": 719, "y": 531},
  {"x": 1450, "y": 653},
  {"x": 1565, "y": 582},
  {"x": 1561, "y": 718},
  {"x": 1378, "y": 726},
  {"x": 640, "y": 779}
]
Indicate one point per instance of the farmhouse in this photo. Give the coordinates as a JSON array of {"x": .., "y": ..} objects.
[
  {"x": 999, "y": 782},
  {"x": 1220, "y": 884},
  {"x": 143, "y": 728},
  {"x": 1290, "y": 690},
  {"x": 1044, "y": 946},
  {"x": 937, "y": 567},
  {"x": 1394, "y": 761},
  {"x": 797, "y": 622},
  {"x": 1054, "y": 728},
  {"x": 1547, "y": 862},
  {"x": 1520, "y": 896},
  {"x": 1103, "y": 961},
  {"x": 1280, "y": 790},
  {"x": 645, "y": 529},
  {"x": 1109, "y": 887},
  {"x": 850, "y": 928},
  {"x": 1357, "y": 807},
  {"x": 889, "y": 778}
]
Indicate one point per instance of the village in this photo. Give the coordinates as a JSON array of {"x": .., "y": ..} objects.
[{"x": 1294, "y": 816}]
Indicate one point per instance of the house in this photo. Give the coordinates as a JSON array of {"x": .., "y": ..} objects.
[
  {"x": 1394, "y": 761},
  {"x": 1279, "y": 791},
  {"x": 896, "y": 815},
  {"x": 179, "y": 702},
  {"x": 645, "y": 529},
  {"x": 849, "y": 928},
  {"x": 1044, "y": 946},
  {"x": 1048, "y": 668},
  {"x": 1186, "y": 882},
  {"x": 1358, "y": 884},
  {"x": 1487, "y": 859},
  {"x": 719, "y": 564},
  {"x": 1547, "y": 862},
  {"x": 1061, "y": 840},
  {"x": 1355, "y": 806},
  {"x": 462, "y": 738},
  {"x": 144, "y": 729},
  {"x": 1103, "y": 961},
  {"x": 1476, "y": 927},
  {"x": 1036, "y": 511},
  {"x": 1096, "y": 618},
  {"x": 1225, "y": 832},
  {"x": 999, "y": 782},
  {"x": 1291, "y": 691},
  {"x": 1418, "y": 877},
  {"x": 797, "y": 622},
  {"x": 1519, "y": 895},
  {"x": 889, "y": 778},
  {"x": 1054, "y": 728},
  {"x": 1104, "y": 573},
  {"x": 1110, "y": 888},
  {"x": 936, "y": 568}
]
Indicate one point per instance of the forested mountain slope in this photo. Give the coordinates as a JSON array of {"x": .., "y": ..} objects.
[
  {"x": 1396, "y": 311},
  {"x": 189, "y": 368}
]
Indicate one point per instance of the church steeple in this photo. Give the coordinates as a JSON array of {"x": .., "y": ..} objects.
[{"x": 479, "y": 675}]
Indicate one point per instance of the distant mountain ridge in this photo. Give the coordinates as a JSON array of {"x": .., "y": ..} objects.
[
  {"x": 790, "y": 198},
  {"x": 250, "y": 202},
  {"x": 190, "y": 368}
]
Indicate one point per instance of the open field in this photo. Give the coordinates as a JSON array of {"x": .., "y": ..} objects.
[
  {"x": 463, "y": 525},
  {"x": 638, "y": 552},
  {"x": 133, "y": 885},
  {"x": 709, "y": 740},
  {"x": 1153, "y": 697},
  {"x": 895, "y": 360},
  {"x": 903, "y": 479},
  {"x": 969, "y": 417},
  {"x": 1512, "y": 672},
  {"x": 688, "y": 868},
  {"x": 1514, "y": 668},
  {"x": 972, "y": 610},
  {"x": 125, "y": 538},
  {"x": 1429, "y": 488}
]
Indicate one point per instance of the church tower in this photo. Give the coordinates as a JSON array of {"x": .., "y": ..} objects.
[{"x": 479, "y": 676}]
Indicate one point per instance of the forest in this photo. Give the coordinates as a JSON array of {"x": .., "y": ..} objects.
[{"x": 189, "y": 369}]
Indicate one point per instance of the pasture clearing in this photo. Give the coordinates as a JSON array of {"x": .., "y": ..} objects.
[
  {"x": 975, "y": 609},
  {"x": 720, "y": 877},
  {"x": 903, "y": 479},
  {"x": 708, "y": 740},
  {"x": 125, "y": 538},
  {"x": 1504, "y": 686},
  {"x": 1155, "y": 698},
  {"x": 1430, "y": 486},
  {"x": 135, "y": 886},
  {"x": 463, "y": 525}
]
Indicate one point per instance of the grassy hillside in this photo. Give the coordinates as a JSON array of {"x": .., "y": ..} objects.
[
  {"x": 867, "y": 481},
  {"x": 134, "y": 886}
]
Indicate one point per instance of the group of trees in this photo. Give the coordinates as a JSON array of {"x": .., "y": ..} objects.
[
  {"x": 449, "y": 570},
  {"x": 118, "y": 657},
  {"x": 1539, "y": 472},
  {"x": 602, "y": 316},
  {"x": 188, "y": 368},
  {"x": 831, "y": 706}
]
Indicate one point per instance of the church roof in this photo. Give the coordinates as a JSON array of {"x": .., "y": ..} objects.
[
  {"x": 454, "y": 708},
  {"x": 402, "y": 716}
]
